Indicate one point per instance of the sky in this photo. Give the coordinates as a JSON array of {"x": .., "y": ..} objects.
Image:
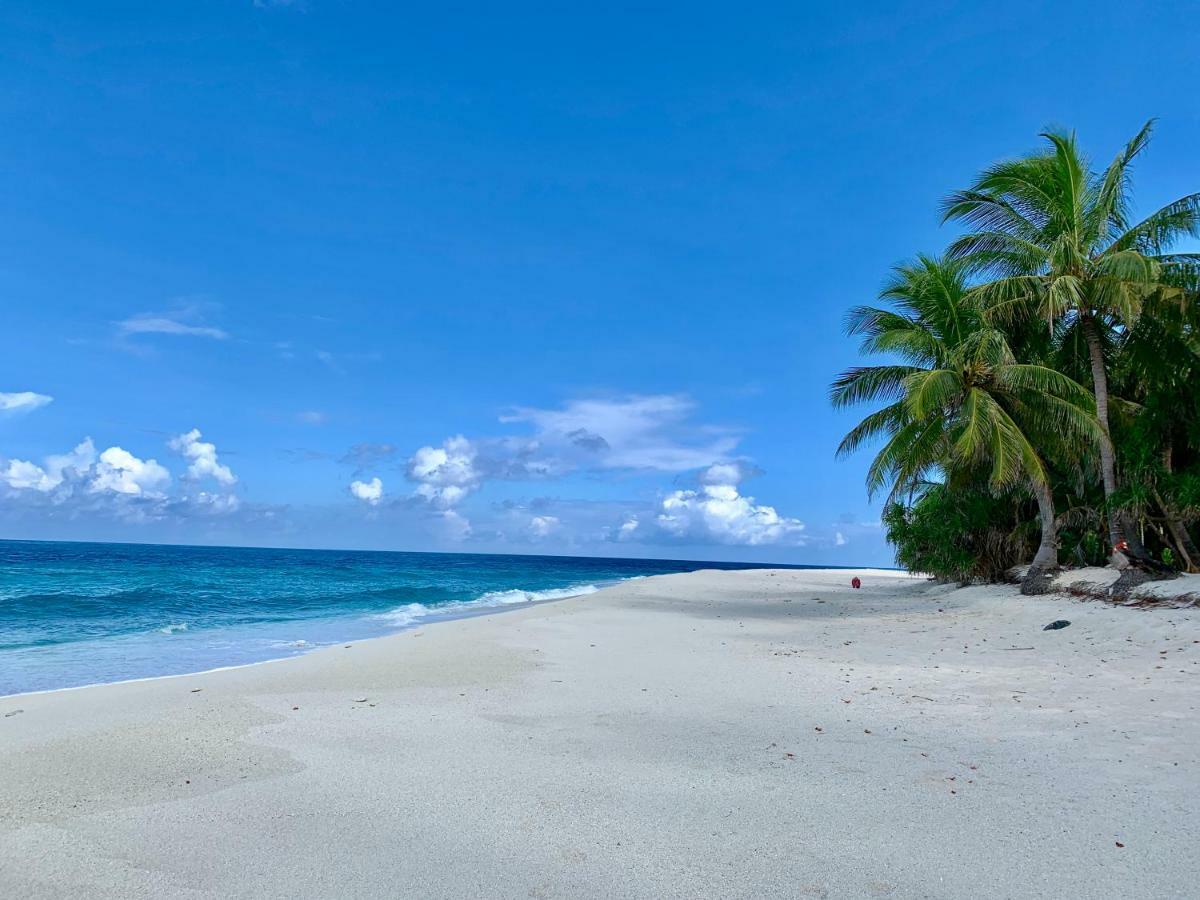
[{"x": 500, "y": 278}]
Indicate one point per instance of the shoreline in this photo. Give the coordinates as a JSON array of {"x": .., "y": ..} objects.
[
  {"x": 432, "y": 618},
  {"x": 734, "y": 733}
]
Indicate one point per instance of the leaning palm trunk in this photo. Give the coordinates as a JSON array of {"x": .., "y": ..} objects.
[
  {"x": 1045, "y": 562},
  {"x": 1188, "y": 553},
  {"x": 1120, "y": 531},
  {"x": 1184, "y": 543}
]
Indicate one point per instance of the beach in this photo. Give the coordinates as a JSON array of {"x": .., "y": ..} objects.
[{"x": 733, "y": 734}]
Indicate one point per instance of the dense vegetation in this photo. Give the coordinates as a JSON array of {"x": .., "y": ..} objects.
[{"x": 1041, "y": 389}]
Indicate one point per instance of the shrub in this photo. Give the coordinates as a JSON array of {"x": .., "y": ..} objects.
[{"x": 962, "y": 534}]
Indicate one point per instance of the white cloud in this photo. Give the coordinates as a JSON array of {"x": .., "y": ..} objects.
[
  {"x": 637, "y": 432},
  {"x": 23, "y": 475},
  {"x": 117, "y": 471},
  {"x": 370, "y": 492},
  {"x": 114, "y": 484},
  {"x": 629, "y": 434},
  {"x": 203, "y": 456},
  {"x": 719, "y": 513},
  {"x": 23, "y": 401},
  {"x": 121, "y": 472},
  {"x": 839, "y": 539},
  {"x": 149, "y": 323},
  {"x": 214, "y": 504},
  {"x": 311, "y": 417},
  {"x": 542, "y": 526},
  {"x": 445, "y": 474},
  {"x": 453, "y": 526}
]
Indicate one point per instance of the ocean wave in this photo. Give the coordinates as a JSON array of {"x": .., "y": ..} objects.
[
  {"x": 171, "y": 629},
  {"x": 414, "y": 612}
]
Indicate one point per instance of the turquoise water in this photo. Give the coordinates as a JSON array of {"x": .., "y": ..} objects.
[{"x": 74, "y": 614}]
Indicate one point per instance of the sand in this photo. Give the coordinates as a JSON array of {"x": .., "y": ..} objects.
[{"x": 731, "y": 734}]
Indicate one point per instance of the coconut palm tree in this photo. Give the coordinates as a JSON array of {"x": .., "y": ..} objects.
[
  {"x": 1058, "y": 242},
  {"x": 959, "y": 399},
  {"x": 1157, "y": 366}
]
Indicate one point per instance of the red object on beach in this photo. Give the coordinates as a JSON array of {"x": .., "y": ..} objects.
[{"x": 855, "y": 583}]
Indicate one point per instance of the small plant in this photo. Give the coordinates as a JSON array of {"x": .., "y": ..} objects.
[{"x": 1168, "y": 557}]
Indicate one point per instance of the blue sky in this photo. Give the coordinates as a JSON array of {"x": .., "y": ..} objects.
[{"x": 564, "y": 281}]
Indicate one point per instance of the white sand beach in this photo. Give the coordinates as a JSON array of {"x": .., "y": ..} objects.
[{"x": 716, "y": 734}]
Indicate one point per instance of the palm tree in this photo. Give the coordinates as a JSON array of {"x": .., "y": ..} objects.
[
  {"x": 1058, "y": 242},
  {"x": 1158, "y": 367},
  {"x": 959, "y": 399}
]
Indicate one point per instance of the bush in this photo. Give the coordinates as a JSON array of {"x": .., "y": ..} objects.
[{"x": 962, "y": 534}]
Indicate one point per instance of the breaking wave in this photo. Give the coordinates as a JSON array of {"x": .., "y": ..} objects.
[{"x": 414, "y": 612}]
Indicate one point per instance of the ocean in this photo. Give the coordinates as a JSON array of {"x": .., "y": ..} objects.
[{"x": 74, "y": 614}]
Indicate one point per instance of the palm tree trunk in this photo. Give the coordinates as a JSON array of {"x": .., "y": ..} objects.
[
  {"x": 1188, "y": 553},
  {"x": 1118, "y": 525},
  {"x": 1187, "y": 547},
  {"x": 1045, "y": 562}
]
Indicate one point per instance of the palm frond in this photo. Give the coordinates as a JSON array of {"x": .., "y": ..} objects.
[
  {"x": 932, "y": 391},
  {"x": 889, "y": 419},
  {"x": 1110, "y": 209},
  {"x": 1162, "y": 228},
  {"x": 863, "y": 384}
]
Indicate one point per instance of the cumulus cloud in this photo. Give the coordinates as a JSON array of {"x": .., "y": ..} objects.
[
  {"x": 839, "y": 539},
  {"x": 635, "y": 433},
  {"x": 23, "y": 401},
  {"x": 630, "y": 434},
  {"x": 716, "y": 513},
  {"x": 445, "y": 475},
  {"x": 542, "y": 526},
  {"x": 370, "y": 492},
  {"x": 119, "y": 487},
  {"x": 203, "y": 456},
  {"x": 121, "y": 472},
  {"x": 23, "y": 475},
  {"x": 452, "y": 525},
  {"x": 116, "y": 471}
]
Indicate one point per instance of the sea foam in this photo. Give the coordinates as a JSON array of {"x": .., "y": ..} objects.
[{"x": 414, "y": 612}]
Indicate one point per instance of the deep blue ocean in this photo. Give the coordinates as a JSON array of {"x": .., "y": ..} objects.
[{"x": 73, "y": 613}]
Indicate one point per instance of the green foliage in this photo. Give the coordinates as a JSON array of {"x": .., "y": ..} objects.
[
  {"x": 962, "y": 400},
  {"x": 1054, "y": 285},
  {"x": 1082, "y": 547},
  {"x": 958, "y": 534}
]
